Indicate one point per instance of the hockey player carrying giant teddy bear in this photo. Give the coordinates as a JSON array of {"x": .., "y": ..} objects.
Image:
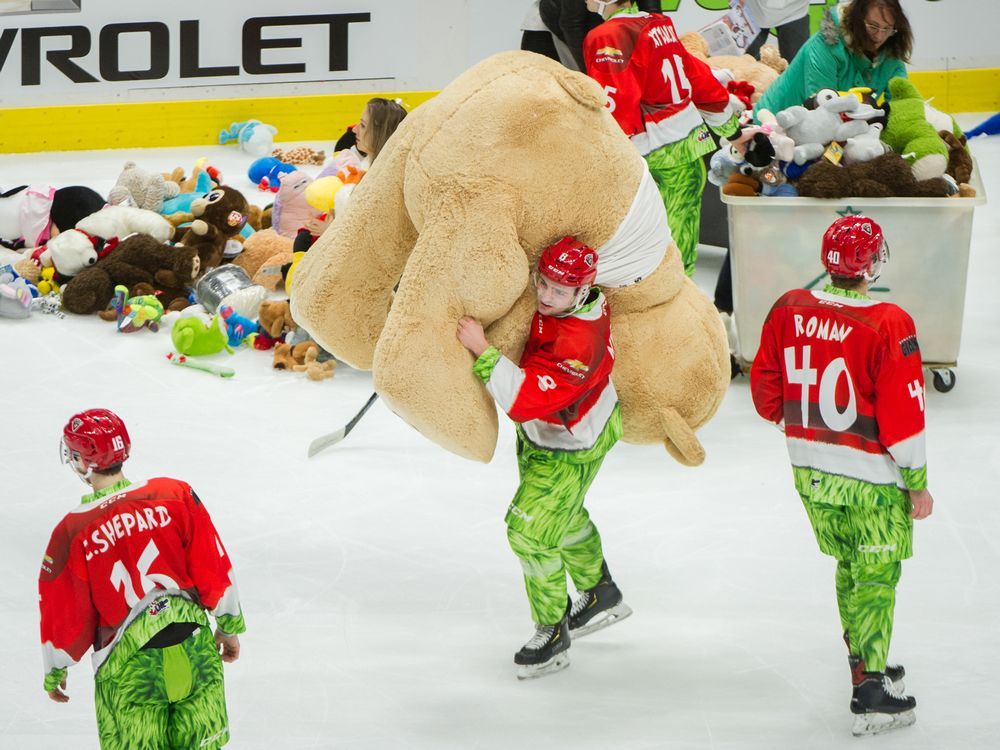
[{"x": 514, "y": 154}]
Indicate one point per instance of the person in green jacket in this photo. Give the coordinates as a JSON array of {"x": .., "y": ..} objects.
[{"x": 864, "y": 44}]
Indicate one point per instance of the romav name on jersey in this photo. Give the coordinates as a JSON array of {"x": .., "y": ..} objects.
[
  {"x": 821, "y": 328},
  {"x": 122, "y": 524}
]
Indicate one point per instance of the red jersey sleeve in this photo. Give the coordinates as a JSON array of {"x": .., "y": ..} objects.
[
  {"x": 899, "y": 398},
  {"x": 68, "y": 616},
  {"x": 210, "y": 568},
  {"x": 766, "y": 383},
  {"x": 707, "y": 94}
]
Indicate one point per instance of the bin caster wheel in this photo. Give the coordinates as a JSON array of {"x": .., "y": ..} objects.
[{"x": 944, "y": 380}]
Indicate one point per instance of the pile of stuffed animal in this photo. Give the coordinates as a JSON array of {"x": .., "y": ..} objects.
[
  {"x": 138, "y": 256},
  {"x": 843, "y": 144}
]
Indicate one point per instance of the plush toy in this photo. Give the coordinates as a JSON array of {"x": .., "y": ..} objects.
[
  {"x": 134, "y": 313},
  {"x": 299, "y": 155},
  {"x": 758, "y": 73},
  {"x": 276, "y": 318},
  {"x": 220, "y": 215},
  {"x": 181, "y": 203},
  {"x": 194, "y": 337},
  {"x": 253, "y": 136},
  {"x": 288, "y": 357},
  {"x": 866, "y": 146},
  {"x": 886, "y": 176},
  {"x": 264, "y": 253},
  {"x": 315, "y": 369},
  {"x": 743, "y": 185},
  {"x": 989, "y": 126},
  {"x": 142, "y": 189},
  {"x": 24, "y": 215},
  {"x": 814, "y": 129},
  {"x": 443, "y": 214},
  {"x": 266, "y": 173},
  {"x": 237, "y": 326},
  {"x": 15, "y": 294},
  {"x": 291, "y": 209},
  {"x": 959, "y": 158},
  {"x": 138, "y": 258},
  {"x": 909, "y": 134},
  {"x": 121, "y": 221},
  {"x": 321, "y": 193},
  {"x": 69, "y": 253}
]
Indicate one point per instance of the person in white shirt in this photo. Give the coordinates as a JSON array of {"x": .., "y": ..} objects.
[{"x": 789, "y": 18}]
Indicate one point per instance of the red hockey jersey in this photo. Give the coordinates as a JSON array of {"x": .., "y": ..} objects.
[
  {"x": 107, "y": 558},
  {"x": 657, "y": 91},
  {"x": 844, "y": 375},
  {"x": 562, "y": 393}
]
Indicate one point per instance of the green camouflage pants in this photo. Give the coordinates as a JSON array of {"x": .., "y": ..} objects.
[
  {"x": 165, "y": 699},
  {"x": 550, "y": 531},
  {"x": 869, "y": 544},
  {"x": 680, "y": 188}
]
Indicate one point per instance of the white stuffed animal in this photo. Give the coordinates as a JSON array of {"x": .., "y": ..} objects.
[
  {"x": 814, "y": 129},
  {"x": 866, "y": 146},
  {"x": 121, "y": 221},
  {"x": 70, "y": 252}
]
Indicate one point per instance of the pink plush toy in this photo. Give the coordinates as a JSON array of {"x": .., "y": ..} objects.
[{"x": 291, "y": 210}]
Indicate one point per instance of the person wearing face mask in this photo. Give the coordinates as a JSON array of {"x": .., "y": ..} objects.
[
  {"x": 666, "y": 101},
  {"x": 565, "y": 406},
  {"x": 861, "y": 43}
]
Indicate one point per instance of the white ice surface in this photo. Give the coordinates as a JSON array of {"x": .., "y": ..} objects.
[{"x": 384, "y": 606}]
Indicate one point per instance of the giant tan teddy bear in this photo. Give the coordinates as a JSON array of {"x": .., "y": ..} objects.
[{"x": 515, "y": 153}]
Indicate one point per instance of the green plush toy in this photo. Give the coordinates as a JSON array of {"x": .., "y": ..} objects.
[
  {"x": 191, "y": 336},
  {"x": 909, "y": 133}
]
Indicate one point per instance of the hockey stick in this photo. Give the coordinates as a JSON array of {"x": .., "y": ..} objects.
[{"x": 325, "y": 441}]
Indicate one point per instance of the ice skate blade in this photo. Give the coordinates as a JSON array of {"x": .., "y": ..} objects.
[
  {"x": 605, "y": 619},
  {"x": 557, "y": 663},
  {"x": 867, "y": 724}
]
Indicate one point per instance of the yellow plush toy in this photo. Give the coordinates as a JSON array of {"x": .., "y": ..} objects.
[{"x": 514, "y": 154}]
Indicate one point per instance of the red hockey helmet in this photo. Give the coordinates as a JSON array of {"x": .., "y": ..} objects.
[
  {"x": 569, "y": 262},
  {"x": 853, "y": 247},
  {"x": 97, "y": 437}
]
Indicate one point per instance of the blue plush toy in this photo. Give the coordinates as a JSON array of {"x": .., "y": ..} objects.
[
  {"x": 254, "y": 137},
  {"x": 237, "y": 327},
  {"x": 182, "y": 203},
  {"x": 266, "y": 171},
  {"x": 989, "y": 127}
]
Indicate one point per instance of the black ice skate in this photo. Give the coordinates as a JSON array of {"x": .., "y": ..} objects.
[
  {"x": 598, "y": 607},
  {"x": 895, "y": 672},
  {"x": 545, "y": 653},
  {"x": 880, "y": 707}
]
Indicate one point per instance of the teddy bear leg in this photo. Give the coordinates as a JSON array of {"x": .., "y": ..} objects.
[
  {"x": 667, "y": 398},
  {"x": 484, "y": 273}
]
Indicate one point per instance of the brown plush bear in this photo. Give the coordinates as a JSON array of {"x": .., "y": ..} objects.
[
  {"x": 463, "y": 240},
  {"x": 264, "y": 253},
  {"x": 275, "y": 318},
  {"x": 290, "y": 356},
  {"x": 959, "y": 158},
  {"x": 886, "y": 176},
  {"x": 314, "y": 369},
  {"x": 219, "y": 216},
  {"x": 137, "y": 259}
]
